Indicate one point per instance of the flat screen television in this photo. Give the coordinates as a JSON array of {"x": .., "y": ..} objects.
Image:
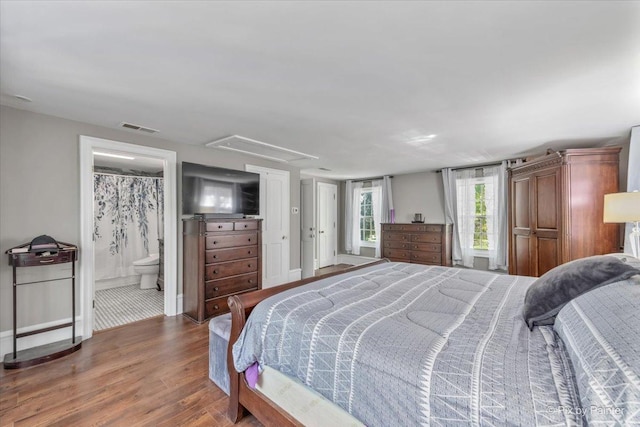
[{"x": 216, "y": 191}]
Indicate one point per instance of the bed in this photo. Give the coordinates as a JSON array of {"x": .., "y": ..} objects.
[{"x": 409, "y": 344}]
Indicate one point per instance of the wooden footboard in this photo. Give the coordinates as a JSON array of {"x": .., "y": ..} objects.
[{"x": 242, "y": 397}]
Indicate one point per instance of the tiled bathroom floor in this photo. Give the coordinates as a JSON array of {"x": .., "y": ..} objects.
[{"x": 126, "y": 304}]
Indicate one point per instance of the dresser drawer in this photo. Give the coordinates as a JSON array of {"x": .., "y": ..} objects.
[
  {"x": 397, "y": 254},
  {"x": 231, "y": 268},
  {"x": 230, "y": 240},
  {"x": 246, "y": 225},
  {"x": 426, "y": 238},
  {"x": 219, "y": 226},
  {"x": 216, "y": 306},
  {"x": 403, "y": 227},
  {"x": 231, "y": 285},
  {"x": 395, "y": 237},
  {"x": 427, "y": 247},
  {"x": 397, "y": 244},
  {"x": 221, "y": 255},
  {"x": 433, "y": 228},
  {"x": 426, "y": 258}
]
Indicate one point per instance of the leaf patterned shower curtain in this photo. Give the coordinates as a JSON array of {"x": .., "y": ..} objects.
[{"x": 128, "y": 220}]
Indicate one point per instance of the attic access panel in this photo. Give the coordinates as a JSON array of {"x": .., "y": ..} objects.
[{"x": 253, "y": 147}]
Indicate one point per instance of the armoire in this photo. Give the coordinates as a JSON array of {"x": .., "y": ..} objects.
[{"x": 556, "y": 206}]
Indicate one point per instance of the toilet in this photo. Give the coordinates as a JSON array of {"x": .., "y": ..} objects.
[{"x": 148, "y": 269}]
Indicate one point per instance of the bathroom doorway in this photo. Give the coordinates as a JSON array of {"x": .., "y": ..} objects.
[
  {"x": 123, "y": 201},
  {"x": 128, "y": 239}
]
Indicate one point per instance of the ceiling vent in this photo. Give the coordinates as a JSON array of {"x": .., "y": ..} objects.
[
  {"x": 258, "y": 148},
  {"x": 138, "y": 127}
]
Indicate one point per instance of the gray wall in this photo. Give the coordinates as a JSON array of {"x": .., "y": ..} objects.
[{"x": 39, "y": 194}]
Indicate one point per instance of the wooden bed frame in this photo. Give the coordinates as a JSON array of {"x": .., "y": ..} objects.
[{"x": 241, "y": 396}]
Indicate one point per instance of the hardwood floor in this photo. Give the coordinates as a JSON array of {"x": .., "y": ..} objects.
[{"x": 149, "y": 373}]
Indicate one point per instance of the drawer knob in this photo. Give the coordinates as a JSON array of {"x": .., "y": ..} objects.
[
  {"x": 249, "y": 252},
  {"x": 249, "y": 265},
  {"x": 249, "y": 239},
  {"x": 215, "y": 307},
  {"x": 215, "y": 271},
  {"x": 250, "y": 280},
  {"x": 215, "y": 289},
  {"x": 215, "y": 242},
  {"x": 215, "y": 257},
  {"x": 245, "y": 226},
  {"x": 219, "y": 226}
]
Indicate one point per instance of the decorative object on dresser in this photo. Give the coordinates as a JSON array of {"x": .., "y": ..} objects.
[
  {"x": 222, "y": 257},
  {"x": 42, "y": 251},
  {"x": 556, "y": 210},
  {"x": 417, "y": 243}
]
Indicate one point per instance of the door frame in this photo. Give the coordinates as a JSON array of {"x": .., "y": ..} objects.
[{"x": 88, "y": 145}]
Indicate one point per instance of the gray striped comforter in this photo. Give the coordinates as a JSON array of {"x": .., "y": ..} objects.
[{"x": 405, "y": 344}]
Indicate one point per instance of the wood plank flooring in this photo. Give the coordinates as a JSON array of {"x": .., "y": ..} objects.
[{"x": 150, "y": 373}]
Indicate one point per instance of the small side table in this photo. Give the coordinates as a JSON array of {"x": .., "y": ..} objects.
[{"x": 18, "y": 257}]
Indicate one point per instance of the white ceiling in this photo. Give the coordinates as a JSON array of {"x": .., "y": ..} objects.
[{"x": 359, "y": 84}]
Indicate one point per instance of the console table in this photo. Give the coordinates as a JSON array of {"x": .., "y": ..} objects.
[{"x": 21, "y": 257}]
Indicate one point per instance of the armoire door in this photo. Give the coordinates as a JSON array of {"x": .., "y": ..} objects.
[
  {"x": 546, "y": 221},
  {"x": 536, "y": 222},
  {"x": 521, "y": 230}
]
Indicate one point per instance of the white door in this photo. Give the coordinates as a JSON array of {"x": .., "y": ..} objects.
[
  {"x": 308, "y": 224},
  {"x": 327, "y": 233},
  {"x": 274, "y": 211}
]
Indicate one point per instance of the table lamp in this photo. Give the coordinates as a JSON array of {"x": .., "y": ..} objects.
[{"x": 625, "y": 207}]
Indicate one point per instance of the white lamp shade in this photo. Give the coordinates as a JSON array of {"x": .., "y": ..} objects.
[{"x": 622, "y": 207}]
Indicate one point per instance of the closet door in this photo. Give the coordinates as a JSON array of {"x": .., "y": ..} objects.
[{"x": 546, "y": 221}]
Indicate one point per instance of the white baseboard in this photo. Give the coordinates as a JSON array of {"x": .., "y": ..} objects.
[
  {"x": 295, "y": 274},
  {"x": 6, "y": 337},
  {"x": 179, "y": 306},
  {"x": 355, "y": 259}
]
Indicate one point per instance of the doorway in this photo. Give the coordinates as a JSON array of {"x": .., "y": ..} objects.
[
  {"x": 88, "y": 147},
  {"x": 319, "y": 225}
]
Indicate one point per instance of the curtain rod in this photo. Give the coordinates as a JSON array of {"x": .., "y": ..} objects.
[
  {"x": 480, "y": 166},
  {"x": 369, "y": 179},
  {"x": 128, "y": 176}
]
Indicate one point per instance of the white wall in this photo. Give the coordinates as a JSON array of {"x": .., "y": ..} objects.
[{"x": 39, "y": 194}]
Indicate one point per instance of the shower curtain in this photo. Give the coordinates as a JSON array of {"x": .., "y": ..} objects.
[{"x": 128, "y": 220}]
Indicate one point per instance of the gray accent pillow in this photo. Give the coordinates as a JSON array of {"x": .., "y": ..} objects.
[{"x": 547, "y": 295}]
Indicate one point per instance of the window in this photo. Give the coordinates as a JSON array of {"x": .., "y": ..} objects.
[
  {"x": 367, "y": 224},
  {"x": 476, "y": 214},
  {"x": 480, "y": 231}
]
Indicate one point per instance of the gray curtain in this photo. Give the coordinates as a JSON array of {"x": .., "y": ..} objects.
[
  {"x": 502, "y": 245},
  {"x": 348, "y": 216},
  {"x": 387, "y": 200},
  {"x": 451, "y": 211}
]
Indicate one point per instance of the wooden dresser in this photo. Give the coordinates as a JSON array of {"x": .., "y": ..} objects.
[
  {"x": 556, "y": 204},
  {"x": 417, "y": 243},
  {"x": 221, "y": 257}
]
